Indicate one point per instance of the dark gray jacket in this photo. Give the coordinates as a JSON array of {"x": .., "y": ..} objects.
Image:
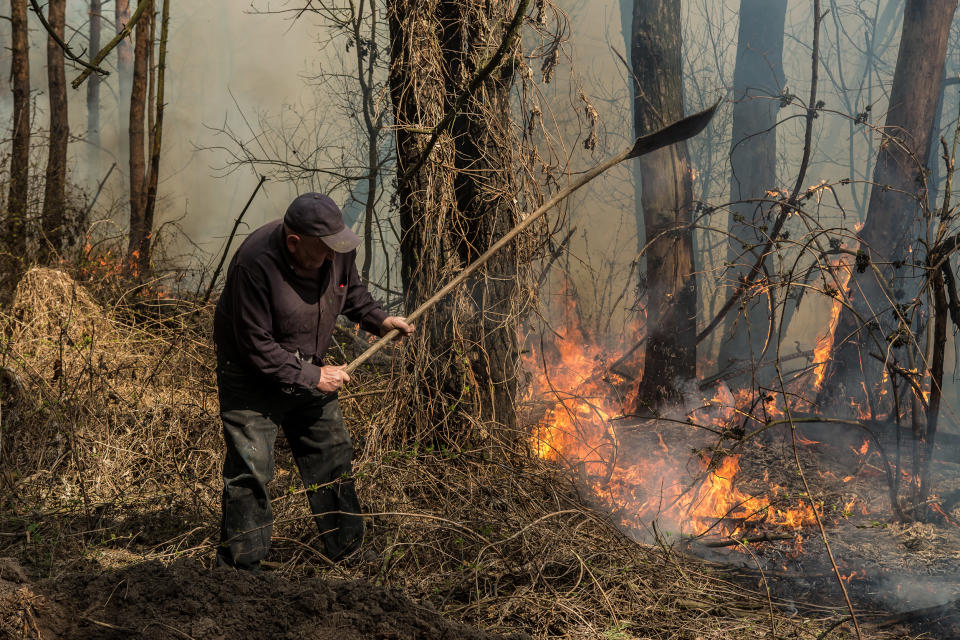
[{"x": 279, "y": 324}]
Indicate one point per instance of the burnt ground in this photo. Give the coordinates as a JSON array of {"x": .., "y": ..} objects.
[
  {"x": 904, "y": 571},
  {"x": 901, "y": 575},
  {"x": 898, "y": 573},
  {"x": 185, "y": 599}
]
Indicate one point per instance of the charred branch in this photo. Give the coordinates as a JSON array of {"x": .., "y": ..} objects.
[{"x": 733, "y": 542}]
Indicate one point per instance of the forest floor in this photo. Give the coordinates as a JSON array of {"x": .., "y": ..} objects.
[
  {"x": 109, "y": 467},
  {"x": 184, "y": 599}
]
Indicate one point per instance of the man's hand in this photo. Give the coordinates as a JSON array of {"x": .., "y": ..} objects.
[
  {"x": 396, "y": 322},
  {"x": 332, "y": 378}
]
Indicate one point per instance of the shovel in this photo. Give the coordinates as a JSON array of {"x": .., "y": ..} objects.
[{"x": 676, "y": 132}]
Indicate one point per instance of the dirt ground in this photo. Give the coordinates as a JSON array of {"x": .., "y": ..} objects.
[{"x": 187, "y": 600}]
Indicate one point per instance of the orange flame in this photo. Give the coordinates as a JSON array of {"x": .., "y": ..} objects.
[
  {"x": 821, "y": 353},
  {"x": 655, "y": 483}
]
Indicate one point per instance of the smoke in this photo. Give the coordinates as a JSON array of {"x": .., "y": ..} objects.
[
  {"x": 227, "y": 67},
  {"x": 905, "y": 592},
  {"x": 231, "y": 68}
]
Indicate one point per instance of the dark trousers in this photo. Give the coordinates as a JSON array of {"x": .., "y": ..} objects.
[{"x": 252, "y": 411}]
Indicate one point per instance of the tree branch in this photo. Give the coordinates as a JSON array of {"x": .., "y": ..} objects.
[
  {"x": 123, "y": 33},
  {"x": 791, "y": 204},
  {"x": 89, "y": 68},
  {"x": 233, "y": 233}
]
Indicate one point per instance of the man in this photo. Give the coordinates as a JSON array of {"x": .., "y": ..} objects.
[{"x": 285, "y": 287}]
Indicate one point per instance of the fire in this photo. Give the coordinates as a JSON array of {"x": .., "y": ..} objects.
[
  {"x": 818, "y": 189},
  {"x": 821, "y": 353},
  {"x": 936, "y": 507},
  {"x": 717, "y": 497},
  {"x": 99, "y": 263},
  {"x": 691, "y": 492}
]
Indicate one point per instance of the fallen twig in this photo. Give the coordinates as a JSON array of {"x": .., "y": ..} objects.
[
  {"x": 833, "y": 626},
  {"x": 709, "y": 381},
  {"x": 767, "y": 537},
  {"x": 106, "y": 625}
]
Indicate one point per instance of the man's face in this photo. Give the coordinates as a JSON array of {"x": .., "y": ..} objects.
[{"x": 308, "y": 252}]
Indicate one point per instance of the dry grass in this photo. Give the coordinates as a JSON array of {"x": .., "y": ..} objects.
[
  {"x": 110, "y": 453},
  {"x": 101, "y": 418}
]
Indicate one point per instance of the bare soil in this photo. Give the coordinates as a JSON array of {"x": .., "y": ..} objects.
[{"x": 185, "y": 599}]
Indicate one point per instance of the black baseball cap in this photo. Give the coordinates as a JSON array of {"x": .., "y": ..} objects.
[{"x": 317, "y": 215}]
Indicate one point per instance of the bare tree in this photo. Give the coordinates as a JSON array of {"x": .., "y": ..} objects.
[
  {"x": 667, "y": 202},
  {"x": 367, "y": 53},
  {"x": 137, "y": 133},
  {"x": 93, "y": 98},
  {"x": 156, "y": 144},
  {"x": 54, "y": 201},
  {"x": 871, "y": 325},
  {"x": 854, "y": 55},
  {"x": 757, "y": 82},
  {"x": 319, "y": 152},
  {"x": 124, "y": 64},
  {"x": 20, "y": 154}
]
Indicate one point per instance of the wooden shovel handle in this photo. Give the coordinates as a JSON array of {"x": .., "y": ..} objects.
[{"x": 676, "y": 132}]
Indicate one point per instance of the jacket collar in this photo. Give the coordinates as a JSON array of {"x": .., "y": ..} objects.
[{"x": 278, "y": 241}]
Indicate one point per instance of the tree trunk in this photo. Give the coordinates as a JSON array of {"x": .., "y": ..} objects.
[
  {"x": 5, "y": 47},
  {"x": 892, "y": 216},
  {"x": 757, "y": 80},
  {"x": 20, "y": 153},
  {"x": 54, "y": 200},
  {"x": 667, "y": 196},
  {"x": 93, "y": 100},
  {"x": 626, "y": 24},
  {"x": 464, "y": 357},
  {"x": 138, "y": 101},
  {"x": 124, "y": 68},
  {"x": 156, "y": 143}
]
